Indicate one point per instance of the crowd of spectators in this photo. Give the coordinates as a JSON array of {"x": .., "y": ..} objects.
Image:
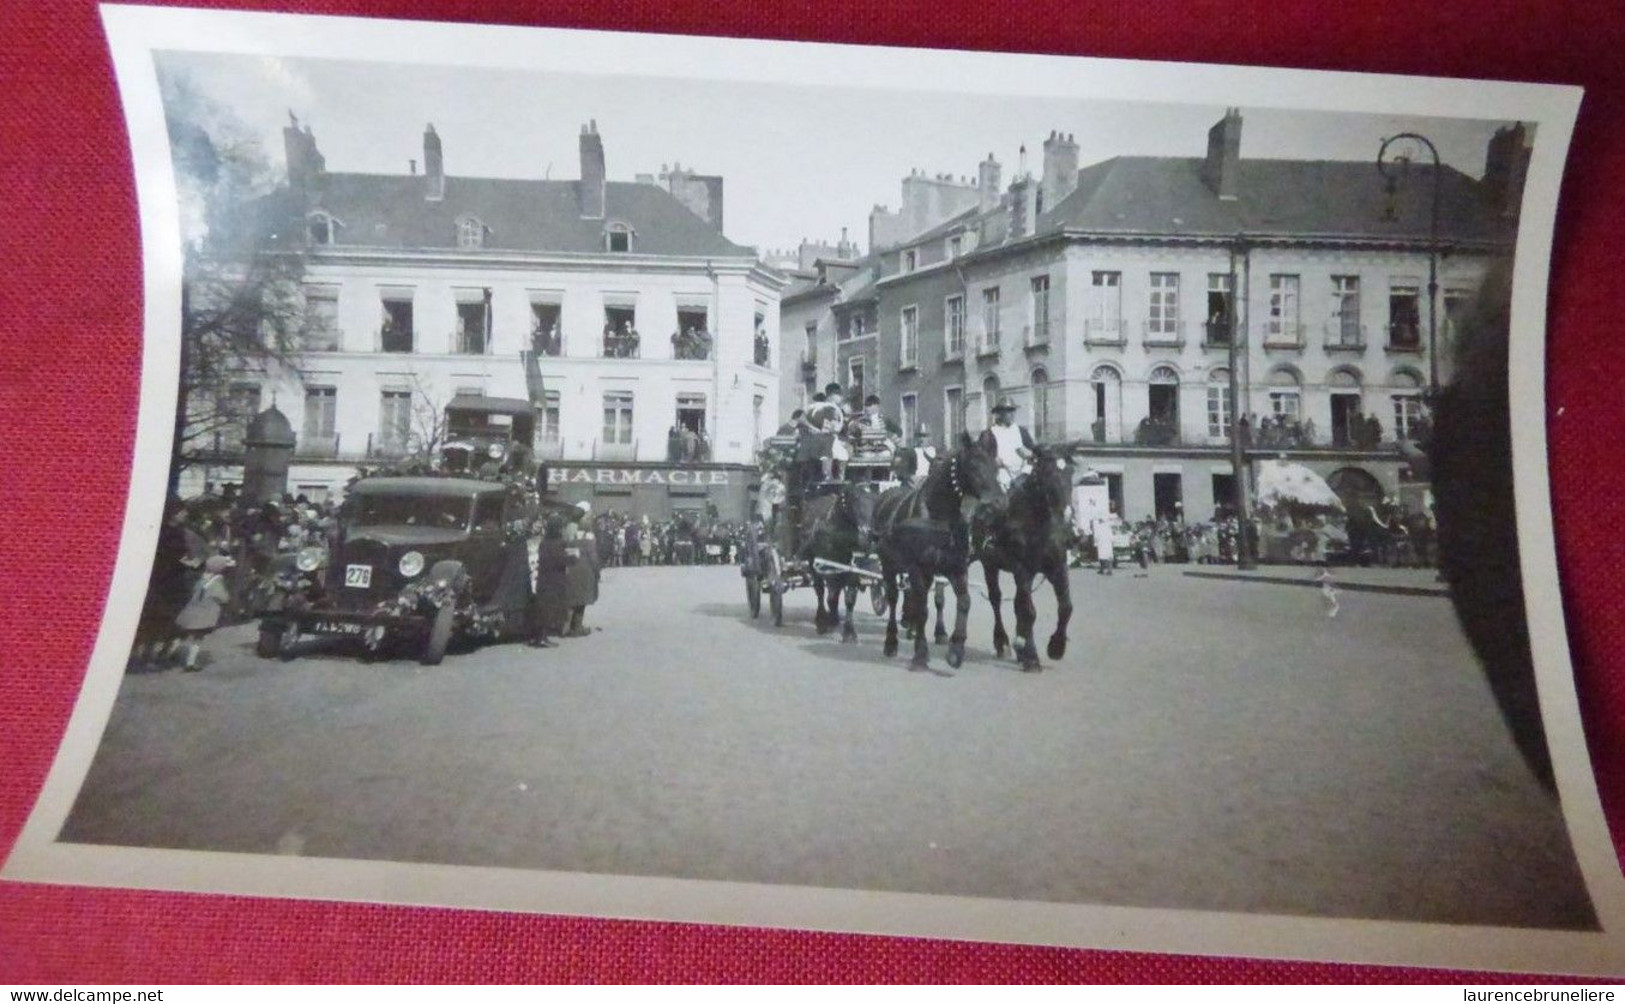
[
  {"x": 625, "y": 540},
  {"x": 686, "y": 445}
]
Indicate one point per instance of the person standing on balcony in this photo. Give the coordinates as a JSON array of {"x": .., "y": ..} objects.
[{"x": 1011, "y": 444}]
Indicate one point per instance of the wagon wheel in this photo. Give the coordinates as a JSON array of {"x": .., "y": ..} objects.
[
  {"x": 877, "y": 598},
  {"x": 753, "y": 594},
  {"x": 775, "y": 586}
]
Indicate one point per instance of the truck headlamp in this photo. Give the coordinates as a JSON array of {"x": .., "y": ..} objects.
[{"x": 411, "y": 564}]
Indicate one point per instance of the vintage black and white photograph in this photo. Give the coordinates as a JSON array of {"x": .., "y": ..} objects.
[{"x": 1026, "y": 505}]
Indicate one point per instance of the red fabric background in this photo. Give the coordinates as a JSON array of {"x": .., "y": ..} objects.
[{"x": 69, "y": 365}]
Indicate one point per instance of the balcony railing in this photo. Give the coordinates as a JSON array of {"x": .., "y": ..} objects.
[
  {"x": 614, "y": 451},
  {"x": 316, "y": 447},
  {"x": 954, "y": 351},
  {"x": 548, "y": 343},
  {"x": 1404, "y": 336},
  {"x": 987, "y": 344},
  {"x": 1104, "y": 331},
  {"x": 1036, "y": 334},
  {"x": 1344, "y": 336},
  {"x": 1168, "y": 333},
  {"x": 692, "y": 344},
  {"x": 1283, "y": 335},
  {"x": 1216, "y": 334}
]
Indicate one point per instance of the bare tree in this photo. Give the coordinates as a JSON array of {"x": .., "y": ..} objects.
[
  {"x": 242, "y": 308},
  {"x": 428, "y": 433}
]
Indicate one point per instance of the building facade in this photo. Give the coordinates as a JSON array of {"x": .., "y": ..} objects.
[
  {"x": 1104, "y": 303},
  {"x": 647, "y": 340}
]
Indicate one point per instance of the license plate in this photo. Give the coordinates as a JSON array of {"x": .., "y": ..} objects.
[
  {"x": 336, "y": 627},
  {"x": 359, "y": 576}
]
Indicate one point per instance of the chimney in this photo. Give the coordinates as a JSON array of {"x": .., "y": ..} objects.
[
  {"x": 1221, "y": 172},
  {"x": 1060, "y": 168},
  {"x": 988, "y": 184},
  {"x": 1023, "y": 207},
  {"x": 305, "y": 163},
  {"x": 434, "y": 172},
  {"x": 1506, "y": 167},
  {"x": 590, "y": 189}
]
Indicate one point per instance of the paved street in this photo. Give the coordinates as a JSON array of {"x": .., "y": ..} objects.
[{"x": 1204, "y": 744}]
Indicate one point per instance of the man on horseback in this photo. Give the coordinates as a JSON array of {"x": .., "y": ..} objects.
[{"x": 1011, "y": 444}]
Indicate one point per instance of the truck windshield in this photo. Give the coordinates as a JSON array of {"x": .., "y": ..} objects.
[{"x": 444, "y": 512}]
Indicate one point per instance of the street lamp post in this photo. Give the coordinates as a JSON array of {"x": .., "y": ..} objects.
[
  {"x": 1391, "y": 175},
  {"x": 1238, "y": 460}
]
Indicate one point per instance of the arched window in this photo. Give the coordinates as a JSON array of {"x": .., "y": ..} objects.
[
  {"x": 1162, "y": 398},
  {"x": 321, "y": 227},
  {"x": 1041, "y": 403},
  {"x": 1220, "y": 407},
  {"x": 618, "y": 238},
  {"x": 470, "y": 232},
  {"x": 1349, "y": 425},
  {"x": 1286, "y": 394},
  {"x": 1107, "y": 384},
  {"x": 990, "y": 398},
  {"x": 1407, "y": 399}
]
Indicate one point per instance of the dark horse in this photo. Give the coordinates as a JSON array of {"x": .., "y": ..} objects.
[
  {"x": 837, "y": 527},
  {"x": 1028, "y": 539},
  {"x": 923, "y": 532}
]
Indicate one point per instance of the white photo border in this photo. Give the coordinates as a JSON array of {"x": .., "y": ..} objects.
[{"x": 136, "y": 33}]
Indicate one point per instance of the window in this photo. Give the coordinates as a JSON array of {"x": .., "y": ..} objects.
[
  {"x": 320, "y": 410},
  {"x": 470, "y": 232},
  {"x": 547, "y": 431},
  {"x": 1039, "y": 306},
  {"x": 394, "y": 421},
  {"x": 990, "y": 399},
  {"x": 758, "y": 404},
  {"x": 990, "y": 319},
  {"x": 1456, "y": 304},
  {"x": 1285, "y": 404},
  {"x": 858, "y": 326},
  {"x": 1107, "y": 384},
  {"x": 692, "y": 339},
  {"x": 1407, "y": 404},
  {"x": 854, "y": 379},
  {"x": 1041, "y": 403},
  {"x": 321, "y": 228},
  {"x": 618, "y": 417},
  {"x": 396, "y": 332},
  {"x": 1407, "y": 413},
  {"x": 762, "y": 346},
  {"x": 1346, "y": 331},
  {"x": 809, "y": 357},
  {"x": 911, "y": 260},
  {"x": 956, "y": 246},
  {"x": 618, "y": 238},
  {"x": 1104, "y": 325},
  {"x": 953, "y": 417},
  {"x": 321, "y": 332},
  {"x": 1220, "y": 407},
  {"x": 954, "y": 330},
  {"x": 1404, "y": 316},
  {"x": 1282, "y": 326},
  {"x": 546, "y": 337},
  {"x": 621, "y": 339},
  {"x": 1220, "y": 287},
  {"x": 910, "y": 416},
  {"x": 910, "y": 346},
  {"x": 1163, "y": 395},
  {"x": 691, "y": 412},
  {"x": 473, "y": 322},
  {"x": 1163, "y": 320}
]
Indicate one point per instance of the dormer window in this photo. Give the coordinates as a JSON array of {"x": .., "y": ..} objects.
[
  {"x": 321, "y": 228},
  {"x": 470, "y": 232},
  {"x": 911, "y": 260},
  {"x": 618, "y": 238}
]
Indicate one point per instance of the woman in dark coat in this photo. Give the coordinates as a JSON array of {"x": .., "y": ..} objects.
[{"x": 549, "y": 610}]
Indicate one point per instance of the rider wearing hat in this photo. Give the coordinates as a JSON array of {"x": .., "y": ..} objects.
[
  {"x": 1011, "y": 444},
  {"x": 913, "y": 461}
]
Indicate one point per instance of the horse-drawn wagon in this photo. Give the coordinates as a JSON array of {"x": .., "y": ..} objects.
[{"x": 816, "y": 532}]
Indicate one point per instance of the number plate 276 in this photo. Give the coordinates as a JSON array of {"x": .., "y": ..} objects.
[{"x": 359, "y": 576}]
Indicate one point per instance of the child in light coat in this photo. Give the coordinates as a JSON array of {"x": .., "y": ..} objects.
[{"x": 201, "y": 615}]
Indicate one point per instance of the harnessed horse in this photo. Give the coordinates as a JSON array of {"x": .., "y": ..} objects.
[
  {"x": 1027, "y": 540},
  {"x": 838, "y": 526},
  {"x": 923, "y": 533}
]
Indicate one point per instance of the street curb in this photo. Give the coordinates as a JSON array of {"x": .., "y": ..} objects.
[{"x": 1352, "y": 587}]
